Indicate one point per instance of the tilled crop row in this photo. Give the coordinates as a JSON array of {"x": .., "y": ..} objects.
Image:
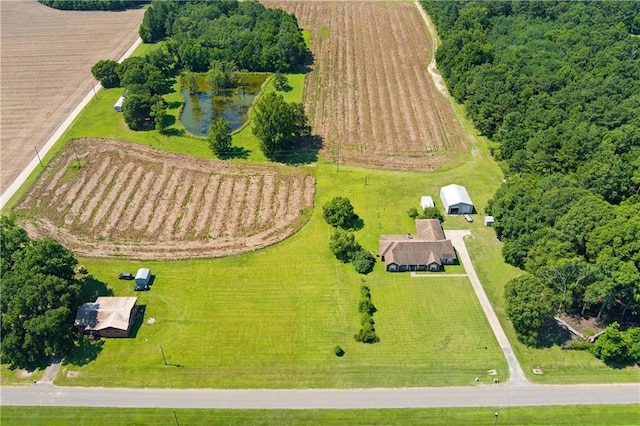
[
  {"x": 369, "y": 94},
  {"x": 134, "y": 201}
]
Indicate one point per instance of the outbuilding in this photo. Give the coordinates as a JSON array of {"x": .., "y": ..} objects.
[
  {"x": 143, "y": 278},
  {"x": 117, "y": 107},
  {"x": 488, "y": 220},
  {"x": 426, "y": 202},
  {"x": 456, "y": 200}
]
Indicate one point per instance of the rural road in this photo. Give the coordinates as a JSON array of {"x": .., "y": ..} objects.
[{"x": 474, "y": 396}]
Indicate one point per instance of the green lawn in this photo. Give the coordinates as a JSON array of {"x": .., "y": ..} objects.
[{"x": 548, "y": 415}]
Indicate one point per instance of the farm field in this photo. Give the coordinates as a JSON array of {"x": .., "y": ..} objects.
[
  {"x": 106, "y": 198},
  {"x": 369, "y": 95},
  {"x": 45, "y": 62},
  {"x": 575, "y": 414}
]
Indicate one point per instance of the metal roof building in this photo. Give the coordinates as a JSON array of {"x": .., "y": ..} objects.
[{"x": 456, "y": 200}]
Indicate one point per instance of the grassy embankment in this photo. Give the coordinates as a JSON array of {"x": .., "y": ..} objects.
[{"x": 549, "y": 415}]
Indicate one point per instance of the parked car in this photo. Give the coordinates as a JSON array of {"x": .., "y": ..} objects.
[{"x": 125, "y": 276}]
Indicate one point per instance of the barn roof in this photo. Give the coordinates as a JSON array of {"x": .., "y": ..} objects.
[
  {"x": 454, "y": 194},
  {"x": 106, "y": 312}
]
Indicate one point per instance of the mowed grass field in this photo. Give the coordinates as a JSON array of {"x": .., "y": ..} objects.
[
  {"x": 554, "y": 415},
  {"x": 272, "y": 318}
]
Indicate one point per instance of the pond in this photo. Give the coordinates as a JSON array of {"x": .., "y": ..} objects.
[{"x": 231, "y": 104}]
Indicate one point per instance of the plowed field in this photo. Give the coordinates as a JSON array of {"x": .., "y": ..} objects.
[
  {"x": 369, "y": 94},
  {"x": 129, "y": 200},
  {"x": 45, "y": 62}
]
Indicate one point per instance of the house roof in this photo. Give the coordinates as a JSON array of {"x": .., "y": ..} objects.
[
  {"x": 427, "y": 246},
  {"x": 411, "y": 252},
  {"x": 454, "y": 194},
  {"x": 429, "y": 230},
  {"x": 106, "y": 312}
]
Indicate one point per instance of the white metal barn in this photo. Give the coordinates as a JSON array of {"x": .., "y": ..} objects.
[
  {"x": 426, "y": 202},
  {"x": 455, "y": 199}
]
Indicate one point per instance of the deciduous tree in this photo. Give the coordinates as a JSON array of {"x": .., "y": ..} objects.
[
  {"x": 278, "y": 125},
  {"x": 220, "y": 136}
]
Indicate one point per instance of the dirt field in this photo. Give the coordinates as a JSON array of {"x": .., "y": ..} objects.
[
  {"x": 45, "y": 64},
  {"x": 128, "y": 200},
  {"x": 369, "y": 93}
]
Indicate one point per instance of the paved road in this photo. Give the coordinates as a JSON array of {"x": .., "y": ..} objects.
[
  {"x": 516, "y": 374},
  {"x": 475, "y": 396}
]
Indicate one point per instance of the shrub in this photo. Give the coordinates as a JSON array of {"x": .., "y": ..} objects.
[
  {"x": 412, "y": 212},
  {"x": 366, "y": 306},
  {"x": 367, "y": 334},
  {"x": 432, "y": 213},
  {"x": 364, "y": 262},
  {"x": 344, "y": 246},
  {"x": 338, "y": 351},
  {"x": 365, "y": 292},
  {"x": 339, "y": 213},
  {"x": 611, "y": 346},
  {"x": 281, "y": 83}
]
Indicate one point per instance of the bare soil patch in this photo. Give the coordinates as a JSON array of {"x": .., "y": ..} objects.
[
  {"x": 132, "y": 201},
  {"x": 45, "y": 62},
  {"x": 369, "y": 94}
]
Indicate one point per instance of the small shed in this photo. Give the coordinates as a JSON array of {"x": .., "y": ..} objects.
[
  {"x": 426, "y": 202},
  {"x": 117, "y": 107},
  {"x": 456, "y": 200},
  {"x": 143, "y": 277},
  {"x": 488, "y": 220}
]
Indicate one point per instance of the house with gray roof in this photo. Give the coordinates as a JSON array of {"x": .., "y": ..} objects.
[{"x": 427, "y": 250}]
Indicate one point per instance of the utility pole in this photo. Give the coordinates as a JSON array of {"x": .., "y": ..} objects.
[
  {"x": 94, "y": 90},
  {"x": 163, "y": 358},
  {"x": 74, "y": 151},
  {"x": 38, "y": 155}
]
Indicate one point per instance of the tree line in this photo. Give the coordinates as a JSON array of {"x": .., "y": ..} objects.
[
  {"x": 246, "y": 33},
  {"x": 93, "y": 4},
  {"x": 554, "y": 85}
]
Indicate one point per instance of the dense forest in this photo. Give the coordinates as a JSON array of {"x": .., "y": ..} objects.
[
  {"x": 252, "y": 36},
  {"x": 555, "y": 85},
  {"x": 93, "y": 4}
]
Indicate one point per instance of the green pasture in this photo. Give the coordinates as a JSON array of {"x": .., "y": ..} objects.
[{"x": 547, "y": 415}]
